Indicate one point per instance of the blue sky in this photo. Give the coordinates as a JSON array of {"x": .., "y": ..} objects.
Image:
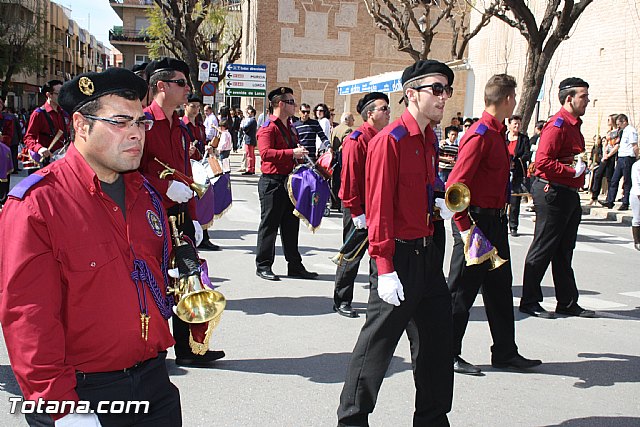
[{"x": 97, "y": 16}]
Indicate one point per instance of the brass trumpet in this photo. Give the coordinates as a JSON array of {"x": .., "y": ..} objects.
[
  {"x": 195, "y": 304},
  {"x": 338, "y": 258},
  {"x": 457, "y": 197},
  {"x": 168, "y": 172}
]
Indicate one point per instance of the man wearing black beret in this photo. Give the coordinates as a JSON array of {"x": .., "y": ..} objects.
[
  {"x": 169, "y": 142},
  {"x": 375, "y": 111},
  {"x": 48, "y": 129},
  {"x": 92, "y": 233},
  {"x": 279, "y": 151},
  {"x": 407, "y": 283},
  {"x": 557, "y": 202},
  {"x": 139, "y": 70}
]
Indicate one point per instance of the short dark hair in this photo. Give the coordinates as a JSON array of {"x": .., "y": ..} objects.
[
  {"x": 498, "y": 88},
  {"x": 159, "y": 76},
  {"x": 305, "y": 105},
  {"x": 224, "y": 124},
  {"x": 540, "y": 124},
  {"x": 622, "y": 118},
  {"x": 568, "y": 88},
  {"x": 515, "y": 117},
  {"x": 452, "y": 129},
  {"x": 468, "y": 121},
  {"x": 365, "y": 112},
  {"x": 275, "y": 99}
]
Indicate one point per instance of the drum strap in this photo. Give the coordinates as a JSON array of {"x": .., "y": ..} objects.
[{"x": 288, "y": 137}]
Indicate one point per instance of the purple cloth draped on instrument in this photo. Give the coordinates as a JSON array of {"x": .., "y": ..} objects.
[
  {"x": 35, "y": 156},
  {"x": 205, "y": 208},
  {"x": 204, "y": 274},
  {"x": 310, "y": 194},
  {"x": 477, "y": 248},
  {"x": 6, "y": 164},
  {"x": 222, "y": 195}
]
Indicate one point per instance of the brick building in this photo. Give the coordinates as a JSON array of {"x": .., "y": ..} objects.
[{"x": 603, "y": 49}]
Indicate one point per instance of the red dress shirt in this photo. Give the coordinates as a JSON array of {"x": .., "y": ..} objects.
[
  {"x": 68, "y": 302},
  {"x": 483, "y": 165},
  {"x": 38, "y": 133},
  {"x": 398, "y": 171},
  {"x": 196, "y": 134},
  {"x": 560, "y": 141},
  {"x": 7, "y": 128},
  {"x": 276, "y": 152},
  {"x": 354, "y": 159},
  {"x": 167, "y": 143}
]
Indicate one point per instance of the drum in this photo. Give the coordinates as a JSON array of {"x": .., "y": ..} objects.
[
  {"x": 309, "y": 193},
  {"x": 204, "y": 205},
  {"x": 323, "y": 165},
  {"x": 222, "y": 194}
]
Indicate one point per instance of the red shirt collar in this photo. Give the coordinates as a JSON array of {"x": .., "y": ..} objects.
[
  {"x": 493, "y": 123},
  {"x": 158, "y": 113},
  {"x": 48, "y": 108},
  {"x": 567, "y": 116},
  {"x": 411, "y": 124}
]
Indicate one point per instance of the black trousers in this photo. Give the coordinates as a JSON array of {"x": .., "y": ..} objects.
[
  {"x": 347, "y": 271},
  {"x": 14, "y": 156},
  {"x": 428, "y": 303},
  {"x": 514, "y": 212},
  {"x": 558, "y": 215},
  {"x": 605, "y": 170},
  {"x": 180, "y": 328},
  {"x": 150, "y": 382},
  {"x": 622, "y": 170},
  {"x": 276, "y": 212},
  {"x": 465, "y": 282},
  {"x": 440, "y": 240},
  {"x": 4, "y": 189},
  {"x": 336, "y": 182}
]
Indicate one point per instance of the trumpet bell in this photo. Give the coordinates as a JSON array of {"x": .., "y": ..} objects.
[
  {"x": 496, "y": 262},
  {"x": 457, "y": 197},
  {"x": 337, "y": 258},
  {"x": 200, "y": 189},
  {"x": 200, "y": 306}
]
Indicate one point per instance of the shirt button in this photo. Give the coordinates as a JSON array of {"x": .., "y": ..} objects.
[
  {"x": 92, "y": 189},
  {"x": 45, "y": 171},
  {"x": 93, "y": 264},
  {"x": 115, "y": 209}
]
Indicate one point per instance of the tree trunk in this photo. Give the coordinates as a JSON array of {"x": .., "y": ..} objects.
[
  {"x": 7, "y": 80},
  {"x": 537, "y": 64}
]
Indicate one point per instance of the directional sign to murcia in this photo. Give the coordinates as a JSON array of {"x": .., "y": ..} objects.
[{"x": 246, "y": 80}]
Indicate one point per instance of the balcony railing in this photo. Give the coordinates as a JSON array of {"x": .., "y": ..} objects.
[
  {"x": 133, "y": 2},
  {"x": 119, "y": 34}
]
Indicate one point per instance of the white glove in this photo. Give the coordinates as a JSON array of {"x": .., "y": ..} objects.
[
  {"x": 174, "y": 273},
  {"x": 445, "y": 213},
  {"x": 359, "y": 221},
  {"x": 44, "y": 152},
  {"x": 464, "y": 235},
  {"x": 580, "y": 167},
  {"x": 78, "y": 420},
  {"x": 390, "y": 289},
  {"x": 199, "y": 232},
  {"x": 178, "y": 192}
]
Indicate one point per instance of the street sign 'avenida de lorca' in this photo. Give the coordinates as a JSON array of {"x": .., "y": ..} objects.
[{"x": 246, "y": 80}]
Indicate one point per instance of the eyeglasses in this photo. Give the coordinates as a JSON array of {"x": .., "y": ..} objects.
[
  {"x": 127, "y": 121},
  {"x": 383, "y": 108},
  {"x": 320, "y": 110},
  {"x": 179, "y": 82},
  {"x": 289, "y": 101},
  {"x": 305, "y": 111},
  {"x": 437, "y": 89},
  {"x": 467, "y": 125}
]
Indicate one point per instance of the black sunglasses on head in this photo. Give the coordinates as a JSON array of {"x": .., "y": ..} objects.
[
  {"x": 179, "y": 82},
  {"x": 437, "y": 89}
]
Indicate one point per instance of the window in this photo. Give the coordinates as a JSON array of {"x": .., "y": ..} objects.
[
  {"x": 141, "y": 24},
  {"x": 141, "y": 59}
]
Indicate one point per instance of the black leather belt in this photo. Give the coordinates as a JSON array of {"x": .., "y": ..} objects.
[
  {"x": 488, "y": 211},
  {"x": 420, "y": 242},
  {"x": 135, "y": 367},
  {"x": 275, "y": 176},
  {"x": 555, "y": 184}
]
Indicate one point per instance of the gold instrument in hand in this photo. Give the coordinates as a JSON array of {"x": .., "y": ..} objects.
[
  {"x": 171, "y": 173},
  {"x": 339, "y": 258},
  {"x": 457, "y": 197},
  {"x": 195, "y": 303}
]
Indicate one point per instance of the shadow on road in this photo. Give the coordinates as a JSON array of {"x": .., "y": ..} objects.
[
  {"x": 283, "y": 306},
  {"x": 325, "y": 368},
  {"x": 598, "y": 422},
  {"x": 8, "y": 383}
]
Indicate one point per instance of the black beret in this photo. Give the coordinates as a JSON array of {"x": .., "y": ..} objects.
[
  {"x": 369, "y": 98},
  {"x": 139, "y": 68},
  {"x": 48, "y": 86},
  {"x": 89, "y": 86},
  {"x": 194, "y": 98},
  {"x": 166, "y": 64},
  {"x": 279, "y": 91},
  {"x": 572, "y": 82},
  {"x": 424, "y": 68}
]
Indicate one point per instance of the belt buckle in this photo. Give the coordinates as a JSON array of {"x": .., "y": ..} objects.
[
  {"x": 424, "y": 241},
  {"x": 131, "y": 368}
]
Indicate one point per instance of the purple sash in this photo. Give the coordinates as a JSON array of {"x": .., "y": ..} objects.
[
  {"x": 6, "y": 165},
  {"x": 477, "y": 248},
  {"x": 310, "y": 194},
  {"x": 222, "y": 195},
  {"x": 205, "y": 208}
]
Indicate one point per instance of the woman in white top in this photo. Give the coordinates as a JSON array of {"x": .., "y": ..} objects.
[
  {"x": 634, "y": 201},
  {"x": 321, "y": 112}
]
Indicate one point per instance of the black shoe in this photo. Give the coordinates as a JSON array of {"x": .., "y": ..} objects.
[
  {"x": 248, "y": 173},
  {"x": 536, "y": 310},
  {"x": 608, "y": 205},
  {"x": 200, "y": 361},
  {"x": 345, "y": 310},
  {"x": 574, "y": 310},
  {"x": 514, "y": 233},
  {"x": 267, "y": 275},
  {"x": 206, "y": 245},
  {"x": 623, "y": 207},
  {"x": 301, "y": 273},
  {"x": 517, "y": 362},
  {"x": 461, "y": 366}
]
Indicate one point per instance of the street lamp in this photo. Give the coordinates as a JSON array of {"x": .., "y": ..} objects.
[{"x": 213, "y": 47}]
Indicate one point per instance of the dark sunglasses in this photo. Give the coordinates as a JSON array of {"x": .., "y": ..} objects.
[
  {"x": 289, "y": 101},
  {"x": 383, "y": 108},
  {"x": 437, "y": 89},
  {"x": 179, "y": 82},
  {"x": 305, "y": 111}
]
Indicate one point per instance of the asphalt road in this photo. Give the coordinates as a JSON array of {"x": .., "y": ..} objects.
[{"x": 287, "y": 351}]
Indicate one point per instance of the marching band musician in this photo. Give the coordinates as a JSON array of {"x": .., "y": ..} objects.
[
  {"x": 407, "y": 283},
  {"x": 97, "y": 259},
  {"x": 557, "y": 203},
  {"x": 166, "y": 141},
  {"x": 45, "y": 124},
  {"x": 279, "y": 150},
  {"x": 483, "y": 165},
  {"x": 375, "y": 111}
]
